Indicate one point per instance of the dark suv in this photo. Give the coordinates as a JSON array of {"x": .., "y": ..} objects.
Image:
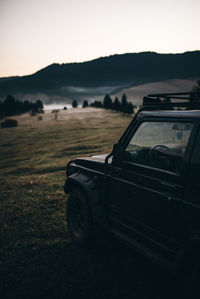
[{"x": 146, "y": 192}]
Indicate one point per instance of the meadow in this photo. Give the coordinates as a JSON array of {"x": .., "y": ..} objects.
[{"x": 37, "y": 256}]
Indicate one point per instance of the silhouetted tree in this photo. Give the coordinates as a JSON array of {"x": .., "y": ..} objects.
[
  {"x": 124, "y": 99},
  {"x": 27, "y": 106},
  {"x": 96, "y": 104},
  {"x": 107, "y": 102},
  {"x": 74, "y": 104},
  {"x": 11, "y": 106},
  {"x": 125, "y": 107},
  {"x": 85, "y": 104},
  {"x": 124, "y": 103},
  {"x": 129, "y": 108},
  {"x": 39, "y": 105},
  {"x": 116, "y": 105}
]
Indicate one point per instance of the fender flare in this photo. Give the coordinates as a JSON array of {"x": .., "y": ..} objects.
[{"x": 87, "y": 185}]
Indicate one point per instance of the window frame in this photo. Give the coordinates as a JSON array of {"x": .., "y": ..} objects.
[{"x": 188, "y": 150}]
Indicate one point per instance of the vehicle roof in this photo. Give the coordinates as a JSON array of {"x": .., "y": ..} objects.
[{"x": 171, "y": 113}]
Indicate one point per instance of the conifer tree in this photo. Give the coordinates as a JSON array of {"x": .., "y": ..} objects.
[
  {"x": 116, "y": 104},
  {"x": 107, "y": 102},
  {"x": 85, "y": 104},
  {"x": 74, "y": 104}
]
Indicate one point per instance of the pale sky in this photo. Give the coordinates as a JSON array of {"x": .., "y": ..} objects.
[{"x": 36, "y": 33}]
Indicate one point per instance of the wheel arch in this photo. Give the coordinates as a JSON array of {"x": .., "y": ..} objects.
[{"x": 87, "y": 185}]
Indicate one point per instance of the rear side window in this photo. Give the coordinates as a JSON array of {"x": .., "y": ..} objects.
[{"x": 159, "y": 144}]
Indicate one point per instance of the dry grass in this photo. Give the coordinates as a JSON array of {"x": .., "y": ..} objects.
[{"x": 37, "y": 257}]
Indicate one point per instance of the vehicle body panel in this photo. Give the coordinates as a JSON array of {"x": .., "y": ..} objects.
[{"x": 155, "y": 209}]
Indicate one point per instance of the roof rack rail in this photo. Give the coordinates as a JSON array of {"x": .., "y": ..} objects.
[{"x": 184, "y": 100}]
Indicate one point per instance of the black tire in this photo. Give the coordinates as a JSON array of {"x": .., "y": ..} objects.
[
  {"x": 190, "y": 285},
  {"x": 79, "y": 218}
]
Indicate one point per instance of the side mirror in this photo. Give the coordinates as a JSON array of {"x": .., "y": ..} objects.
[{"x": 117, "y": 151}]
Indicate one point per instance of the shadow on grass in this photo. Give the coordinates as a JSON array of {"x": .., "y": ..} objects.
[
  {"x": 59, "y": 269},
  {"x": 30, "y": 171}
]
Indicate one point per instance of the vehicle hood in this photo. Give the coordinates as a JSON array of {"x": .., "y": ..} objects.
[{"x": 92, "y": 162}]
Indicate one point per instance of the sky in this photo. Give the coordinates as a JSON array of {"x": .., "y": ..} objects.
[{"x": 37, "y": 33}]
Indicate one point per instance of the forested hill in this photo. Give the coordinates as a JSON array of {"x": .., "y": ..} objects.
[{"x": 104, "y": 74}]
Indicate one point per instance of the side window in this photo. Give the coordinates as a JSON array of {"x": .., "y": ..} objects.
[{"x": 159, "y": 144}]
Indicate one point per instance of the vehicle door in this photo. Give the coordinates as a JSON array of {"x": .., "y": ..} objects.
[
  {"x": 145, "y": 185},
  {"x": 189, "y": 214}
]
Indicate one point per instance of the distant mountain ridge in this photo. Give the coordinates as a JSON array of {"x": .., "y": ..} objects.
[{"x": 106, "y": 74}]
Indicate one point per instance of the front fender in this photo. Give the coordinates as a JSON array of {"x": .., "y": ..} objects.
[
  {"x": 79, "y": 180},
  {"x": 87, "y": 185}
]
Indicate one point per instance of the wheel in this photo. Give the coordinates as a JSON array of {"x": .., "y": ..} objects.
[
  {"x": 79, "y": 218},
  {"x": 190, "y": 285}
]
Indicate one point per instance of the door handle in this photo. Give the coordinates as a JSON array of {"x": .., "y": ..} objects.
[{"x": 169, "y": 189}]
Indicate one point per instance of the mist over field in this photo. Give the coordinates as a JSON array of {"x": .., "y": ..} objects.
[
  {"x": 78, "y": 93},
  {"x": 134, "y": 94}
]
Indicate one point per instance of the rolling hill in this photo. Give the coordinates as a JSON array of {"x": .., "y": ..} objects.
[
  {"x": 135, "y": 94},
  {"x": 91, "y": 79}
]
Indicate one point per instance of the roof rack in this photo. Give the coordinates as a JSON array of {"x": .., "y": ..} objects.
[
  {"x": 169, "y": 101},
  {"x": 163, "y": 101}
]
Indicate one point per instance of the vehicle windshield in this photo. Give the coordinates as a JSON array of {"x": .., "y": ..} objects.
[{"x": 159, "y": 144}]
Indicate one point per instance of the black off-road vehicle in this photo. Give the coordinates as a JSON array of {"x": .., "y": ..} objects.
[{"x": 146, "y": 192}]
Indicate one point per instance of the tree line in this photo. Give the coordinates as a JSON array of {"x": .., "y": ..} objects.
[
  {"x": 108, "y": 103},
  {"x": 11, "y": 106}
]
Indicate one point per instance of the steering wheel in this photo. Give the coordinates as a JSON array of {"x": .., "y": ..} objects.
[{"x": 154, "y": 158}]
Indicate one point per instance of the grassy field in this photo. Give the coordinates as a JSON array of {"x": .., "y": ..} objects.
[{"x": 37, "y": 257}]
